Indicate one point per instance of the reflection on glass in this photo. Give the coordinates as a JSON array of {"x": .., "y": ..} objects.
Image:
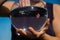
[{"x": 29, "y": 16}]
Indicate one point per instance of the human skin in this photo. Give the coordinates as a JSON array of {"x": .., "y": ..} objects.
[
  {"x": 55, "y": 22},
  {"x": 1, "y": 1}
]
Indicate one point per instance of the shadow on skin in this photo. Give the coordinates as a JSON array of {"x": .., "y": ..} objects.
[{"x": 4, "y": 12}]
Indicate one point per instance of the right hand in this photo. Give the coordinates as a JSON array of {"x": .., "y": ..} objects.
[{"x": 34, "y": 34}]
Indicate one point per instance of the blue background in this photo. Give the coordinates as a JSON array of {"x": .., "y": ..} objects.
[
  {"x": 5, "y": 28},
  {"x": 53, "y": 1},
  {"x": 49, "y": 1}
]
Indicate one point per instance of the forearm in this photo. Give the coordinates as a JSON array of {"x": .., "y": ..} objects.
[
  {"x": 56, "y": 21},
  {"x": 48, "y": 37},
  {"x": 8, "y": 4}
]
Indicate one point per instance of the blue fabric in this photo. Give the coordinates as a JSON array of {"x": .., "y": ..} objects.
[
  {"x": 53, "y": 1},
  {"x": 5, "y": 28}
]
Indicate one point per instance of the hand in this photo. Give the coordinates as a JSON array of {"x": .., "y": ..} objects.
[
  {"x": 2, "y": 1},
  {"x": 34, "y": 34},
  {"x": 23, "y": 3}
]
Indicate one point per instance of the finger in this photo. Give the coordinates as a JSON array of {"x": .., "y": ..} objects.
[
  {"x": 23, "y": 3},
  {"x": 26, "y": 34},
  {"x": 20, "y": 3},
  {"x": 48, "y": 21},
  {"x": 41, "y": 32},
  {"x": 46, "y": 24},
  {"x": 32, "y": 30},
  {"x": 36, "y": 33},
  {"x": 22, "y": 32},
  {"x": 44, "y": 29},
  {"x": 28, "y": 3}
]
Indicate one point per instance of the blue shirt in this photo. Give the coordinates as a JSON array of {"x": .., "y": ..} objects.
[
  {"x": 5, "y": 28},
  {"x": 53, "y": 1}
]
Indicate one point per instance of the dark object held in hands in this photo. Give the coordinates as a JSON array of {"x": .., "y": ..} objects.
[{"x": 30, "y": 16}]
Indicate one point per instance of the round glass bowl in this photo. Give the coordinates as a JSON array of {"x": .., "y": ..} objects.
[{"x": 29, "y": 16}]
